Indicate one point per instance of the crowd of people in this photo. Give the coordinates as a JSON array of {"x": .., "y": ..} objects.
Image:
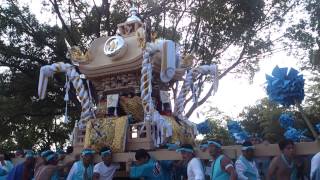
[{"x": 51, "y": 165}]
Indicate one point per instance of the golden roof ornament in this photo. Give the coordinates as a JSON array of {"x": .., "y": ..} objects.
[{"x": 76, "y": 56}]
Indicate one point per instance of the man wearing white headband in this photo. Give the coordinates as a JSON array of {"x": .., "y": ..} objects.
[
  {"x": 222, "y": 167},
  {"x": 195, "y": 169},
  {"x": 105, "y": 169},
  {"x": 245, "y": 166},
  {"x": 83, "y": 169}
]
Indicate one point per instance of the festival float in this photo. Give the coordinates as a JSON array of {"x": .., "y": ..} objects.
[{"x": 133, "y": 74}]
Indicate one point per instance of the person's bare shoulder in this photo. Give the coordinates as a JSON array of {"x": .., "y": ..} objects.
[
  {"x": 275, "y": 159},
  {"x": 226, "y": 160}
]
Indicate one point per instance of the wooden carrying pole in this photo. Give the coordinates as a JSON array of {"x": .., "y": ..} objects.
[
  {"x": 307, "y": 121},
  {"x": 262, "y": 150}
]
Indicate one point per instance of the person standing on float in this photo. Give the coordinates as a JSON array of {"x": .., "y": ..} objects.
[{"x": 222, "y": 167}]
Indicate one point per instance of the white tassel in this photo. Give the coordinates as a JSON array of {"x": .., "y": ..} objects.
[
  {"x": 66, "y": 99},
  {"x": 66, "y": 120}
]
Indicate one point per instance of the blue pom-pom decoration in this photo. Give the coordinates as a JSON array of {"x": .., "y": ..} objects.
[
  {"x": 236, "y": 131},
  {"x": 318, "y": 127},
  {"x": 204, "y": 127},
  {"x": 294, "y": 134},
  {"x": 285, "y": 87},
  {"x": 234, "y": 127},
  {"x": 286, "y": 120}
]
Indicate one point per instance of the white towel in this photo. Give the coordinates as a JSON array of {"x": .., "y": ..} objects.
[{"x": 168, "y": 62}]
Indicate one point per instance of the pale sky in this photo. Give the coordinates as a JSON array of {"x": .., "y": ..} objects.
[
  {"x": 236, "y": 93},
  {"x": 233, "y": 93}
]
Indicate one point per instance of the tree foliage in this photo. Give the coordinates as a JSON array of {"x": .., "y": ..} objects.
[
  {"x": 262, "y": 119},
  {"x": 217, "y": 125},
  {"x": 212, "y": 30}
]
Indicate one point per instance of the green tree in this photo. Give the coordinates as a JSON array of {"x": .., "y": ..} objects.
[
  {"x": 209, "y": 29},
  {"x": 263, "y": 120},
  {"x": 304, "y": 34},
  {"x": 218, "y": 131},
  {"x": 218, "y": 126}
]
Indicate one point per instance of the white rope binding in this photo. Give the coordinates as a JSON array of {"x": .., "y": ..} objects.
[{"x": 74, "y": 77}]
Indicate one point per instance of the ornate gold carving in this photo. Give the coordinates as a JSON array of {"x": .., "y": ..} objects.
[
  {"x": 113, "y": 133},
  {"x": 77, "y": 56},
  {"x": 187, "y": 61},
  {"x": 141, "y": 37}
]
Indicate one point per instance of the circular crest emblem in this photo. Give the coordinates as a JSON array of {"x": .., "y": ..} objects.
[{"x": 115, "y": 47}]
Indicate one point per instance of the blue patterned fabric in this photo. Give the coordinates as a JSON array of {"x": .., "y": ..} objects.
[
  {"x": 152, "y": 170},
  {"x": 285, "y": 87}
]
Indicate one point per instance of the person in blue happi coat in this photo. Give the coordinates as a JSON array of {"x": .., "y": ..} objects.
[
  {"x": 222, "y": 167},
  {"x": 83, "y": 169},
  {"x": 49, "y": 169},
  {"x": 24, "y": 170},
  {"x": 5, "y": 166},
  {"x": 149, "y": 169},
  {"x": 245, "y": 166}
]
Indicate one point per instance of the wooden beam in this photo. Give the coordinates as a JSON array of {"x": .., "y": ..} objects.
[{"x": 262, "y": 150}]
